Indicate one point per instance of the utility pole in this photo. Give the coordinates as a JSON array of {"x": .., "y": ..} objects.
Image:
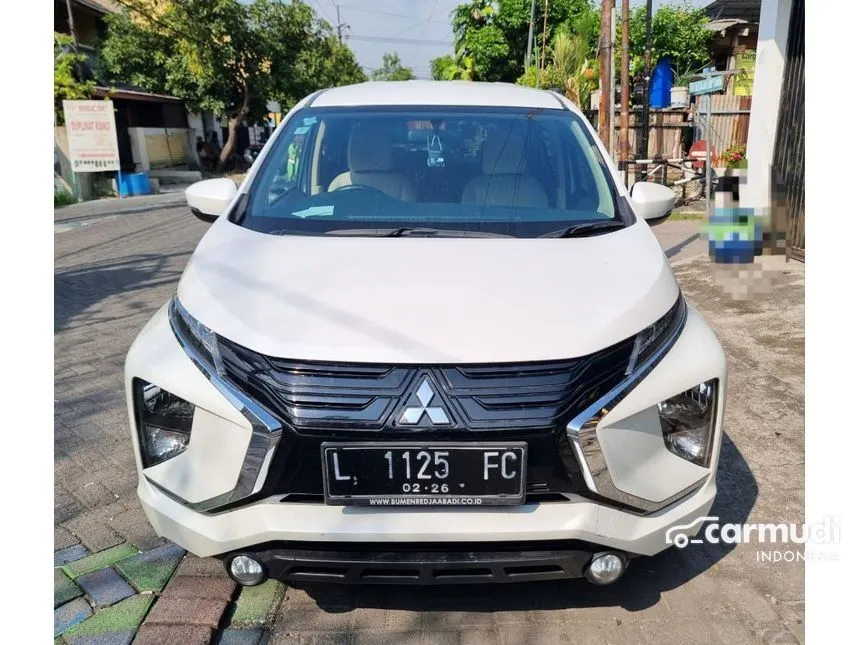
[
  {"x": 646, "y": 94},
  {"x": 613, "y": 140},
  {"x": 623, "y": 134},
  {"x": 543, "y": 44},
  {"x": 531, "y": 36},
  {"x": 71, "y": 23},
  {"x": 605, "y": 54},
  {"x": 341, "y": 27}
]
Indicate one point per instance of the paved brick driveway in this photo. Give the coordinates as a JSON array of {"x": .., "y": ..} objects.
[{"x": 112, "y": 274}]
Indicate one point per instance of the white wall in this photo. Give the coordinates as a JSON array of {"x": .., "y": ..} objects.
[{"x": 767, "y": 84}]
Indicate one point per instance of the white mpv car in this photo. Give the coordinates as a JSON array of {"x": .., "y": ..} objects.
[{"x": 430, "y": 339}]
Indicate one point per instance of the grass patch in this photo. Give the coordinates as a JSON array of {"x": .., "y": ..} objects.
[
  {"x": 98, "y": 560},
  {"x": 256, "y": 605},
  {"x": 124, "y": 616},
  {"x": 686, "y": 216},
  {"x": 150, "y": 570},
  {"x": 63, "y": 198}
]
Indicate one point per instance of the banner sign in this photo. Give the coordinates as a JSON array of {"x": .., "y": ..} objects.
[
  {"x": 707, "y": 85},
  {"x": 91, "y": 129}
]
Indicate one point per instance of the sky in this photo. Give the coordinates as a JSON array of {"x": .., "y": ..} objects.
[{"x": 418, "y": 30}]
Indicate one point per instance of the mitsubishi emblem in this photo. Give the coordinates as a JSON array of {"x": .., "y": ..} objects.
[{"x": 424, "y": 395}]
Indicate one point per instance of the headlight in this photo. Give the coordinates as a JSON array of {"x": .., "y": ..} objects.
[
  {"x": 164, "y": 423},
  {"x": 195, "y": 334},
  {"x": 652, "y": 338},
  {"x": 687, "y": 420}
]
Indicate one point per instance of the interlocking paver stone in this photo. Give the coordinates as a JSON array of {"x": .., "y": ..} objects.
[
  {"x": 104, "y": 587},
  {"x": 150, "y": 570},
  {"x": 63, "y": 538},
  {"x": 243, "y": 637},
  {"x": 70, "y": 554},
  {"x": 186, "y": 611},
  {"x": 255, "y": 605},
  {"x": 191, "y": 565},
  {"x": 121, "y": 618},
  {"x": 70, "y": 614},
  {"x": 64, "y": 589},
  {"x": 99, "y": 560},
  {"x": 173, "y": 635},
  {"x": 199, "y": 587}
]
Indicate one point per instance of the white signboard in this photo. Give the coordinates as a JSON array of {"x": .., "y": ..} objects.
[{"x": 91, "y": 129}]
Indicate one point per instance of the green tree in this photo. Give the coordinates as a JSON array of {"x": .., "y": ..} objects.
[
  {"x": 677, "y": 30},
  {"x": 224, "y": 56},
  {"x": 480, "y": 48},
  {"x": 491, "y": 37},
  {"x": 443, "y": 68},
  {"x": 67, "y": 84},
  {"x": 392, "y": 70}
]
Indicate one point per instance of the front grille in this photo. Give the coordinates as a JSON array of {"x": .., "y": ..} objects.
[
  {"x": 322, "y": 401},
  {"x": 316, "y": 397}
]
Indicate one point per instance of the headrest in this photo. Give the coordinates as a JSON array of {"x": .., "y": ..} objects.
[
  {"x": 370, "y": 148},
  {"x": 504, "y": 153}
]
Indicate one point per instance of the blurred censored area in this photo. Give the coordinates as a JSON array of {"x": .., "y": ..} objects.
[{"x": 746, "y": 247}]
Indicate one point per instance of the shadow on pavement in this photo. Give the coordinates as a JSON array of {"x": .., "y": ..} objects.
[
  {"x": 640, "y": 588},
  {"x": 77, "y": 290}
]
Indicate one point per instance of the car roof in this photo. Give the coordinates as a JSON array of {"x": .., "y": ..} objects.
[{"x": 446, "y": 93}]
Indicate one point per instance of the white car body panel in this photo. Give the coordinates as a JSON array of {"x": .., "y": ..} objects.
[
  {"x": 426, "y": 300},
  {"x": 450, "y": 93},
  {"x": 630, "y": 434}
]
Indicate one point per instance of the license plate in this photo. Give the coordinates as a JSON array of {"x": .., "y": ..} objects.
[{"x": 424, "y": 474}]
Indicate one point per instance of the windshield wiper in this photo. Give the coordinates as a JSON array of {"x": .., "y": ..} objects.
[
  {"x": 407, "y": 231},
  {"x": 587, "y": 228}
]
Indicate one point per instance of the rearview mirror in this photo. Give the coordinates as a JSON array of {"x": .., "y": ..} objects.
[
  {"x": 209, "y": 198},
  {"x": 652, "y": 202}
]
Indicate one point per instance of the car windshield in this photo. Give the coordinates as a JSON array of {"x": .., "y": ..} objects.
[{"x": 432, "y": 171}]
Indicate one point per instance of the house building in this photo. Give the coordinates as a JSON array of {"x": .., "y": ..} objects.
[
  {"x": 152, "y": 129},
  {"x": 735, "y": 27}
]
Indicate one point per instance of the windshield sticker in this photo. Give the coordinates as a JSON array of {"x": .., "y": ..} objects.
[{"x": 315, "y": 211}]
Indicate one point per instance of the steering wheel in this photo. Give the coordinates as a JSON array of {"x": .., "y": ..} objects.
[{"x": 359, "y": 187}]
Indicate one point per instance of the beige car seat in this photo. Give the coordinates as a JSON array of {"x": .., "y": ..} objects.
[
  {"x": 504, "y": 182},
  {"x": 370, "y": 157}
]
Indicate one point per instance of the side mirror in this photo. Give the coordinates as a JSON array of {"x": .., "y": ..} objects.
[
  {"x": 652, "y": 202},
  {"x": 209, "y": 198}
]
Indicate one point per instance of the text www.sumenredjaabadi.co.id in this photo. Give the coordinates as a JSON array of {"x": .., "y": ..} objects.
[{"x": 426, "y": 501}]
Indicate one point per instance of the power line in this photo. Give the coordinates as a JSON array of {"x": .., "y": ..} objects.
[
  {"x": 400, "y": 41},
  {"x": 388, "y": 13},
  {"x": 323, "y": 11}
]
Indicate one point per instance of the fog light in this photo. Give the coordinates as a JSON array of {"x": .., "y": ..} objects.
[
  {"x": 246, "y": 570},
  {"x": 164, "y": 422},
  {"x": 687, "y": 420},
  {"x": 606, "y": 568}
]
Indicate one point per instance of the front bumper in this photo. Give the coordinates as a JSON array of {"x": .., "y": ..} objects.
[
  {"x": 635, "y": 464},
  {"x": 435, "y": 564},
  {"x": 273, "y": 521}
]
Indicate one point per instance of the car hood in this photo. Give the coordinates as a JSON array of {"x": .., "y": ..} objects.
[{"x": 426, "y": 300}]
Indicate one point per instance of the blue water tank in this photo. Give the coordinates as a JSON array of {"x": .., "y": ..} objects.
[
  {"x": 124, "y": 185},
  {"x": 140, "y": 183},
  {"x": 661, "y": 84},
  {"x": 134, "y": 184}
]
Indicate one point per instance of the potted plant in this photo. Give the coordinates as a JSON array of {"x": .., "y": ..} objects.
[
  {"x": 735, "y": 157},
  {"x": 680, "y": 92}
]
